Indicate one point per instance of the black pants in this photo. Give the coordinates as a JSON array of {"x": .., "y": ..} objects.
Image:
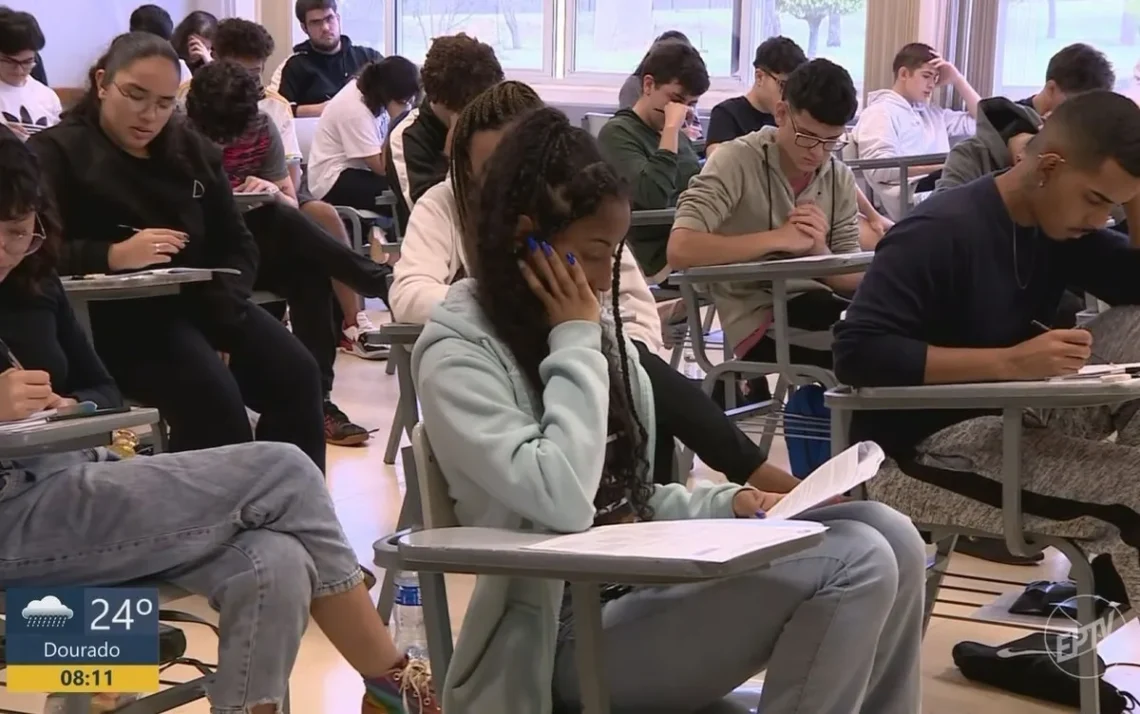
[
  {"x": 357, "y": 188},
  {"x": 298, "y": 258},
  {"x": 161, "y": 358},
  {"x": 815, "y": 311},
  {"x": 686, "y": 413}
]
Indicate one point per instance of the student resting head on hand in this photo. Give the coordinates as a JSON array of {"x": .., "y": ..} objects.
[{"x": 524, "y": 350}]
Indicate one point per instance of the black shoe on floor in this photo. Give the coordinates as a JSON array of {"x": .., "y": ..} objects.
[{"x": 994, "y": 551}]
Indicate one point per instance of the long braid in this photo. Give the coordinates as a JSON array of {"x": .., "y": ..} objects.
[
  {"x": 553, "y": 174},
  {"x": 490, "y": 110}
]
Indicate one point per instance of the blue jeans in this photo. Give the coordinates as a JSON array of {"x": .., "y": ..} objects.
[
  {"x": 251, "y": 527},
  {"x": 838, "y": 627}
]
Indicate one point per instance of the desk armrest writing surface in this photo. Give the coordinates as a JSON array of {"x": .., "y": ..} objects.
[
  {"x": 807, "y": 268},
  {"x": 125, "y": 286},
  {"x": 387, "y": 198},
  {"x": 254, "y": 199},
  {"x": 985, "y": 395},
  {"x": 400, "y": 333},
  {"x": 656, "y": 217},
  {"x": 895, "y": 162},
  {"x": 72, "y": 434},
  {"x": 493, "y": 551}
]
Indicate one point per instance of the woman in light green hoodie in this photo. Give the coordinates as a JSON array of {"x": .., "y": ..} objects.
[{"x": 541, "y": 420}]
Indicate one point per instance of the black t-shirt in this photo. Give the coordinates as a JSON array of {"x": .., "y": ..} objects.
[{"x": 736, "y": 117}]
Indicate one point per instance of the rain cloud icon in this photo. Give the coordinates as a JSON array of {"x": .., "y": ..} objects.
[{"x": 48, "y": 611}]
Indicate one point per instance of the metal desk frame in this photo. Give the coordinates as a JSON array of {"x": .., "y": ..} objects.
[{"x": 1012, "y": 399}]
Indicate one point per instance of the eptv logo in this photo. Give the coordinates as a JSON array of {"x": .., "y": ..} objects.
[{"x": 1069, "y": 646}]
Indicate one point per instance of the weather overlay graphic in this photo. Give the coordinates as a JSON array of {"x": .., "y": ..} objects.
[{"x": 82, "y": 640}]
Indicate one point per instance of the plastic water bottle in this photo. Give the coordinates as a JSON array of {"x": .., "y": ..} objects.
[{"x": 408, "y": 617}]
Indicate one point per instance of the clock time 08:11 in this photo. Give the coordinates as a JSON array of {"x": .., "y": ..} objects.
[{"x": 83, "y": 678}]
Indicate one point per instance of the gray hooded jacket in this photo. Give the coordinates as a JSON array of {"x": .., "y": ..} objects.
[{"x": 999, "y": 119}]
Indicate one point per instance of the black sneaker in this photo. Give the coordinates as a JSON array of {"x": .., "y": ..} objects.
[{"x": 339, "y": 431}]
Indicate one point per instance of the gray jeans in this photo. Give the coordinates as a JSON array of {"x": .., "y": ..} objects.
[
  {"x": 251, "y": 527},
  {"x": 839, "y": 628}
]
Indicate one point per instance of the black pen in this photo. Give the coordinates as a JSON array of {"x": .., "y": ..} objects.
[
  {"x": 10, "y": 355},
  {"x": 1045, "y": 328}
]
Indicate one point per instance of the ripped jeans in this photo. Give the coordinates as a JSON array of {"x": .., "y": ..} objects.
[{"x": 251, "y": 527}]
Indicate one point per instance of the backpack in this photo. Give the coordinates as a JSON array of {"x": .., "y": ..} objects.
[{"x": 807, "y": 430}]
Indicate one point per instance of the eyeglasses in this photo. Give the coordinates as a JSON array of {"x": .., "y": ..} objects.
[
  {"x": 810, "y": 141},
  {"x": 778, "y": 80},
  {"x": 18, "y": 244},
  {"x": 26, "y": 65},
  {"x": 141, "y": 100},
  {"x": 328, "y": 19}
]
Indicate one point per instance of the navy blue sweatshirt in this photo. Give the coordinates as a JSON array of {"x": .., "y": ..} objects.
[{"x": 945, "y": 276}]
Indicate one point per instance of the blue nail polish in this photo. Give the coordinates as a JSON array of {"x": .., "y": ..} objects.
[
  {"x": 531, "y": 244},
  {"x": 570, "y": 258},
  {"x": 761, "y": 514},
  {"x": 547, "y": 249}
]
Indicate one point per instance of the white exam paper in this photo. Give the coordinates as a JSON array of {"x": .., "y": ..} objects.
[
  {"x": 839, "y": 475},
  {"x": 703, "y": 540}
]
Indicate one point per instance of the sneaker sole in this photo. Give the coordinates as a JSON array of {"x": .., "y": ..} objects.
[
  {"x": 378, "y": 356},
  {"x": 348, "y": 440}
]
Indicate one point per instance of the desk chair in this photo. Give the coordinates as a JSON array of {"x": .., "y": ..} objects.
[
  {"x": 594, "y": 121},
  {"x": 896, "y": 204},
  {"x": 1023, "y": 534},
  {"x": 439, "y": 513},
  {"x": 776, "y": 273}
]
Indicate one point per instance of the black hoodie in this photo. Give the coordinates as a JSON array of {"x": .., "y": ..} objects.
[{"x": 314, "y": 77}]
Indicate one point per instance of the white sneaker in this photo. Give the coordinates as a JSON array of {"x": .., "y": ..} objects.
[{"x": 358, "y": 339}]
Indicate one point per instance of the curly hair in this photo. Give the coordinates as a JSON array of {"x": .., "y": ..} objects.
[
  {"x": 23, "y": 190},
  {"x": 457, "y": 68},
  {"x": 553, "y": 173},
  {"x": 237, "y": 38},
  {"x": 392, "y": 79},
  {"x": 222, "y": 102},
  {"x": 494, "y": 109}
]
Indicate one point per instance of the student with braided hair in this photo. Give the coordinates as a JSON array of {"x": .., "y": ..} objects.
[
  {"x": 434, "y": 255},
  {"x": 565, "y": 415}
]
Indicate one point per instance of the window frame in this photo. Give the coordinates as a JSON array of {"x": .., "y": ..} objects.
[
  {"x": 546, "y": 73},
  {"x": 736, "y": 83}
]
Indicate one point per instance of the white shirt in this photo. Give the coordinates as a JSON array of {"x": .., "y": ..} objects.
[
  {"x": 278, "y": 110},
  {"x": 33, "y": 106},
  {"x": 432, "y": 255},
  {"x": 346, "y": 134}
]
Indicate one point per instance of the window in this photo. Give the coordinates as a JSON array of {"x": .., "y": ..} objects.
[
  {"x": 613, "y": 35},
  {"x": 833, "y": 29},
  {"x": 361, "y": 20},
  {"x": 1031, "y": 31},
  {"x": 517, "y": 29}
]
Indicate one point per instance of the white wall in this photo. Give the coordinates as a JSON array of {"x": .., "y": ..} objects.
[{"x": 78, "y": 31}]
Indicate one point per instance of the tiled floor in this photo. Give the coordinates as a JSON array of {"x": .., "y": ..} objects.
[{"x": 367, "y": 494}]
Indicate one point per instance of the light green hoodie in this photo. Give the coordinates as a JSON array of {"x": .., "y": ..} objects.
[
  {"x": 742, "y": 190},
  {"x": 513, "y": 463}
]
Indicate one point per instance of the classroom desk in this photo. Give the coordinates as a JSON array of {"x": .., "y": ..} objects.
[
  {"x": 82, "y": 290},
  {"x": 400, "y": 336},
  {"x": 659, "y": 217},
  {"x": 489, "y": 551},
  {"x": 777, "y": 273},
  {"x": 903, "y": 164},
  {"x": 1011, "y": 399},
  {"x": 72, "y": 434},
  {"x": 249, "y": 201}
]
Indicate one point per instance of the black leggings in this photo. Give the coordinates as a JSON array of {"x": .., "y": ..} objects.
[
  {"x": 357, "y": 188},
  {"x": 161, "y": 358},
  {"x": 298, "y": 258},
  {"x": 686, "y": 413}
]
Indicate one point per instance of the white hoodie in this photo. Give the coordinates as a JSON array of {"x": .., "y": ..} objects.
[
  {"x": 431, "y": 255},
  {"x": 891, "y": 126}
]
